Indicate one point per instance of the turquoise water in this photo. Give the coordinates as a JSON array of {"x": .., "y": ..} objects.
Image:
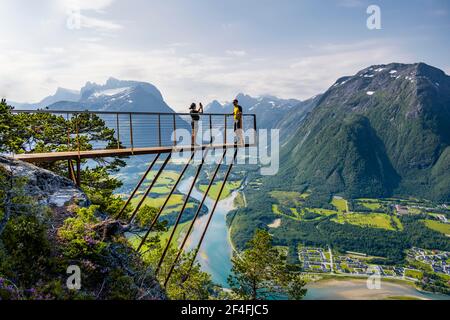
[{"x": 215, "y": 254}]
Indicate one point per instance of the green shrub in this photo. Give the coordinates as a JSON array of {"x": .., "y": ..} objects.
[
  {"x": 80, "y": 240},
  {"x": 26, "y": 247}
]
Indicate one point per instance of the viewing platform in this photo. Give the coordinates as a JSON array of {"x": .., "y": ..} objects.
[{"x": 141, "y": 133}]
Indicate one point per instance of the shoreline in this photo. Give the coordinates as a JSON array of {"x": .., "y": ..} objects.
[
  {"x": 333, "y": 280},
  {"x": 343, "y": 277},
  {"x": 230, "y": 241}
]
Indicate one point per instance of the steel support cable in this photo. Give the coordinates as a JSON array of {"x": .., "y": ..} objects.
[
  {"x": 186, "y": 200},
  {"x": 191, "y": 226},
  {"x": 210, "y": 217},
  {"x": 150, "y": 167},
  {"x": 174, "y": 187},
  {"x": 161, "y": 169}
]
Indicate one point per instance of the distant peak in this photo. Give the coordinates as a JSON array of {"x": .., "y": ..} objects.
[
  {"x": 113, "y": 81},
  {"x": 215, "y": 102},
  {"x": 60, "y": 90},
  {"x": 268, "y": 96},
  {"x": 242, "y": 96}
]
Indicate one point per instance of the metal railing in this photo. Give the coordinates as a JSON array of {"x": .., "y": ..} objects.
[{"x": 133, "y": 130}]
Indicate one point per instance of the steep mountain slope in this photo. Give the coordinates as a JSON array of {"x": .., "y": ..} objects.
[
  {"x": 293, "y": 118},
  {"x": 384, "y": 131},
  {"x": 268, "y": 109}
]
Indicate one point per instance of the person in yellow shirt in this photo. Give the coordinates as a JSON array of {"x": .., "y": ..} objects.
[{"x": 237, "y": 114}]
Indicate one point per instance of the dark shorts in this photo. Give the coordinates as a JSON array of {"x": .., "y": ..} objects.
[{"x": 237, "y": 125}]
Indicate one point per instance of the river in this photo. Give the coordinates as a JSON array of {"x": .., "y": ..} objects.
[
  {"x": 215, "y": 254},
  {"x": 215, "y": 258}
]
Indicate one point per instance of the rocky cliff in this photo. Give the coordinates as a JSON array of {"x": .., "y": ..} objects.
[
  {"x": 46, "y": 187},
  {"x": 47, "y": 225}
]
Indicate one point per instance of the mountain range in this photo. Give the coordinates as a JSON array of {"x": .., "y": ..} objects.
[
  {"x": 382, "y": 132},
  {"x": 114, "y": 95},
  {"x": 269, "y": 110},
  {"x": 61, "y": 94},
  {"x": 135, "y": 96},
  {"x": 117, "y": 95}
]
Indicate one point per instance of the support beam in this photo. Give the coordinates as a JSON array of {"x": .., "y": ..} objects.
[
  {"x": 147, "y": 192},
  {"x": 150, "y": 167},
  {"x": 186, "y": 200},
  {"x": 78, "y": 180},
  {"x": 174, "y": 187},
  {"x": 71, "y": 171},
  {"x": 191, "y": 226},
  {"x": 210, "y": 217}
]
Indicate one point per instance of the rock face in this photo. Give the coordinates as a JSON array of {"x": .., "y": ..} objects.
[
  {"x": 117, "y": 95},
  {"x": 45, "y": 186},
  {"x": 63, "y": 197}
]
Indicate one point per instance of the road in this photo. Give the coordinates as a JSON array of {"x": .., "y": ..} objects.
[{"x": 331, "y": 260}]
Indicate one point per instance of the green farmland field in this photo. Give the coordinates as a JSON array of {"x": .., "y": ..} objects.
[
  {"x": 438, "y": 226},
  {"x": 340, "y": 204},
  {"x": 230, "y": 186},
  {"x": 372, "y": 220}
]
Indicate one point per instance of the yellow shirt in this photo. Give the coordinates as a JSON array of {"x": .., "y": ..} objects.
[{"x": 237, "y": 113}]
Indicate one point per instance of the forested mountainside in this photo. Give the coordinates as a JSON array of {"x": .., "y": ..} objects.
[{"x": 383, "y": 132}]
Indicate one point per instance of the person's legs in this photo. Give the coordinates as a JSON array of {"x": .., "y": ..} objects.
[
  {"x": 195, "y": 132},
  {"x": 240, "y": 132}
]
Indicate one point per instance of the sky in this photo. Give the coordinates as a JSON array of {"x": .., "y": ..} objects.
[{"x": 200, "y": 50}]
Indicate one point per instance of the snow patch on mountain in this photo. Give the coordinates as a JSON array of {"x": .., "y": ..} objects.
[{"x": 111, "y": 92}]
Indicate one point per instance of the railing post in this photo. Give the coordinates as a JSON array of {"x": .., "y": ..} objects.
[
  {"x": 77, "y": 125},
  {"x": 118, "y": 131},
  {"x": 131, "y": 133},
  {"x": 255, "y": 128},
  {"x": 68, "y": 132},
  {"x": 78, "y": 178},
  {"x": 159, "y": 130},
  {"x": 174, "y": 130},
  {"x": 210, "y": 129},
  {"x": 225, "y": 138}
]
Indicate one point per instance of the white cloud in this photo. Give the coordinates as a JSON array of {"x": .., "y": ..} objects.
[
  {"x": 184, "y": 78},
  {"x": 84, "y": 4},
  {"x": 157, "y": 42},
  {"x": 99, "y": 24},
  {"x": 79, "y": 14},
  {"x": 236, "y": 53}
]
